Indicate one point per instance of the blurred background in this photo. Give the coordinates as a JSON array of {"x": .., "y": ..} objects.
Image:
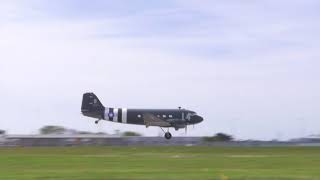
[{"x": 250, "y": 68}]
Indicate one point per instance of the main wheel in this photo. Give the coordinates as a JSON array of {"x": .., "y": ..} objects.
[{"x": 167, "y": 135}]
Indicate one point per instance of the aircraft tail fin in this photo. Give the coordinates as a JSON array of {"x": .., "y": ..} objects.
[{"x": 91, "y": 106}]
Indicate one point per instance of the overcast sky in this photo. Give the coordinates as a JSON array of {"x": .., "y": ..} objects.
[{"x": 250, "y": 68}]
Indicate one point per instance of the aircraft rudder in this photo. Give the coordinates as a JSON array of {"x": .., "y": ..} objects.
[{"x": 91, "y": 103}]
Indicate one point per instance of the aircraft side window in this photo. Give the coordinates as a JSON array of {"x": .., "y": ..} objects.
[
  {"x": 164, "y": 116},
  {"x": 158, "y": 115},
  {"x": 170, "y": 116},
  {"x": 139, "y": 116}
]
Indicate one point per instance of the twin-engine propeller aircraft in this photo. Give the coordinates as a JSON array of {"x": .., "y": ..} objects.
[{"x": 164, "y": 118}]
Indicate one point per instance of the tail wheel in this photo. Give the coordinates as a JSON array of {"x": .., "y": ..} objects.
[
  {"x": 97, "y": 121},
  {"x": 167, "y": 135}
]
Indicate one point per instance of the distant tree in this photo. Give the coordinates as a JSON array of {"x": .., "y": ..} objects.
[
  {"x": 84, "y": 132},
  {"x": 130, "y": 133},
  {"x": 223, "y": 137},
  {"x": 2, "y": 132},
  {"x": 219, "y": 137},
  {"x": 88, "y": 132},
  {"x": 101, "y": 133},
  {"x": 53, "y": 130}
]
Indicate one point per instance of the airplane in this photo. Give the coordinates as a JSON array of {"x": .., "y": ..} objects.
[{"x": 163, "y": 118}]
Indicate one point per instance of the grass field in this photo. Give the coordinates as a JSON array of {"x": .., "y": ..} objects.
[{"x": 195, "y": 163}]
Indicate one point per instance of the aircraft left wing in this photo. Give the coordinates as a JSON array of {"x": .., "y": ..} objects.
[{"x": 152, "y": 120}]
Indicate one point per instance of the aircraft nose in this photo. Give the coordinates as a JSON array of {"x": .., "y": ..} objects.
[
  {"x": 196, "y": 119},
  {"x": 200, "y": 119}
]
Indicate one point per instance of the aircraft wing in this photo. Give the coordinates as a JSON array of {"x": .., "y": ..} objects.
[{"x": 152, "y": 120}]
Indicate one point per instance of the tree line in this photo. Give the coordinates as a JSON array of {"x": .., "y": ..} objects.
[{"x": 56, "y": 130}]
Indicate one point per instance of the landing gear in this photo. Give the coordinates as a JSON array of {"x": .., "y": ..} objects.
[
  {"x": 167, "y": 135},
  {"x": 97, "y": 121}
]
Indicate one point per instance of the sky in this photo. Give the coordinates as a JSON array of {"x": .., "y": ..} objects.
[{"x": 249, "y": 67}]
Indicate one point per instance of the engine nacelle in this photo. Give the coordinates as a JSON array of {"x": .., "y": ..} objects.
[{"x": 179, "y": 126}]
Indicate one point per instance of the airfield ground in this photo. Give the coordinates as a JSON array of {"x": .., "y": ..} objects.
[{"x": 196, "y": 163}]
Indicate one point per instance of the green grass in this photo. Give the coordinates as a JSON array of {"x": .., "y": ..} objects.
[{"x": 196, "y": 163}]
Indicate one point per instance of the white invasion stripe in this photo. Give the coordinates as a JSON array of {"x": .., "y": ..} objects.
[
  {"x": 124, "y": 115},
  {"x": 106, "y": 112},
  {"x": 115, "y": 115}
]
